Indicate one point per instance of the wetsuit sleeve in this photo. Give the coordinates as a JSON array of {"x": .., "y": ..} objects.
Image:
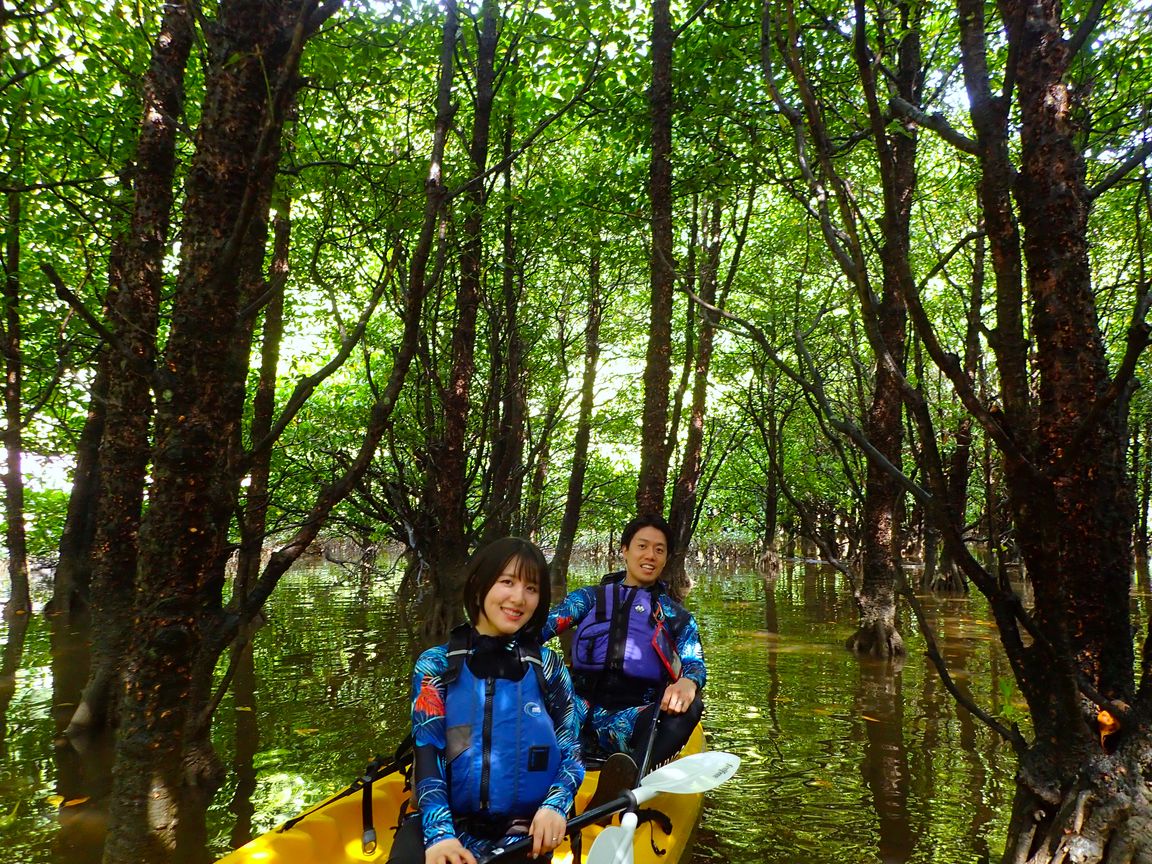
[
  {"x": 691, "y": 651},
  {"x": 429, "y": 740},
  {"x": 568, "y": 612},
  {"x": 565, "y": 715}
]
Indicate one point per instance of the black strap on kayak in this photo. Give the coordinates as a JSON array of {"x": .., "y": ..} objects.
[
  {"x": 377, "y": 768},
  {"x": 656, "y": 817},
  {"x": 368, "y": 840}
]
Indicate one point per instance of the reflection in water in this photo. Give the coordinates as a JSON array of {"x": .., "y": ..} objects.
[
  {"x": 83, "y": 764},
  {"x": 9, "y": 665},
  {"x": 247, "y": 743},
  {"x": 772, "y": 630},
  {"x": 842, "y": 757},
  {"x": 880, "y": 704}
]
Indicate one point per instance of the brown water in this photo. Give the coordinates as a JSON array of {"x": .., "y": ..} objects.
[{"x": 845, "y": 761}]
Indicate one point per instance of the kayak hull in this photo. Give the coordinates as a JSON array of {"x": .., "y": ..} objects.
[{"x": 332, "y": 833}]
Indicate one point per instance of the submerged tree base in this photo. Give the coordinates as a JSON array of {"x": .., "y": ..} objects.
[
  {"x": 878, "y": 640},
  {"x": 1104, "y": 817}
]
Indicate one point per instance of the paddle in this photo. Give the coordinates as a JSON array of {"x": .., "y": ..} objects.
[
  {"x": 689, "y": 775},
  {"x": 656, "y": 712},
  {"x": 614, "y": 845}
]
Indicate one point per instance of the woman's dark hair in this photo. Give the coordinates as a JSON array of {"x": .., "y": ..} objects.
[
  {"x": 648, "y": 520},
  {"x": 485, "y": 567}
]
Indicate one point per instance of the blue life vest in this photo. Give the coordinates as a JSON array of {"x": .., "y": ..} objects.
[
  {"x": 623, "y": 640},
  {"x": 501, "y": 754}
]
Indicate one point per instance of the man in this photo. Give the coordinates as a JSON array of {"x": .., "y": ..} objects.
[{"x": 635, "y": 651}]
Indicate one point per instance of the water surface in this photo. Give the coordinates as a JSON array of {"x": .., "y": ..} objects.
[{"x": 845, "y": 761}]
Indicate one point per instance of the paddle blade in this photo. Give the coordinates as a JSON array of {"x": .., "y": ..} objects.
[
  {"x": 614, "y": 845},
  {"x": 690, "y": 775}
]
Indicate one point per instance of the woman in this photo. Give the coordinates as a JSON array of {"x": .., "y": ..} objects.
[{"x": 476, "y": 788}]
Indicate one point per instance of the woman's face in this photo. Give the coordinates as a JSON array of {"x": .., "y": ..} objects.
[{"x": 509, "y": 604}]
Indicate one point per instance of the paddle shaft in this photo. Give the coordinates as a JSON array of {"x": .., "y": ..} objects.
[
  {"x": 631, "y": 798},
  {"x": 651, "y": 740}
]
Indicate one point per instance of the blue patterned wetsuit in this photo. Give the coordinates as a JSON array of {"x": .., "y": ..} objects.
[
  {"x": 614, "y": 725},
  {"x": 429, "y": 736}
]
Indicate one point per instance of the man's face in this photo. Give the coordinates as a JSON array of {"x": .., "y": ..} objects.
[{"x": 645, "y": 556}]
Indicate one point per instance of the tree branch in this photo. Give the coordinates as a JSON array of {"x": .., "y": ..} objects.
[
  {"x": 1121, "y": 171},
  {"x": 307, "y": 385},
  {"x": 541, "y": 127},
  {"x": 696, "y": 13},
  {"x": 65, "y": 294},
  {"x": 20, "y": 76},
  {"x": 1087, "y": 25},
  {"x": 936, "y": 122}
]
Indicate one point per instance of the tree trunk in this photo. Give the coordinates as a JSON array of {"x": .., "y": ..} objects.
[
  {"x": 1082, "y": 792},
  {"x": 1143, "y": 475},
  {"x": 19, "y": 601},
  {"x": 253, "y": 55},
  {"x": 960, "y": 464},
  {"x": 71, "y": 584},
  {"x": 658, "y": 360},
  {"x": 254, "y": 519},
  {"x": 574, "y": 500},
  {"x": 688, "y": 280},
  {"x": 535, "y": 503},
  {"x": 683, "y": 511},
  {"x": 447, "y": 548},
  {"x": 883, "y": 494},
  {"x": 134, "y": 308},
  {"x": 508, "y": 442},
  {"x": 420, "y": 281},
  {"x": 68, "y": 612}
]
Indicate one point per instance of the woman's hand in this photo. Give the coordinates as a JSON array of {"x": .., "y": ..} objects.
[
  {"x": 450, "y": 851},
  {"x": 678, "y": 696},
  {"x": 547, "y": 831}
]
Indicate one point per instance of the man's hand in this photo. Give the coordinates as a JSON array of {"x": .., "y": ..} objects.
[{"x": 678, "y": 697}]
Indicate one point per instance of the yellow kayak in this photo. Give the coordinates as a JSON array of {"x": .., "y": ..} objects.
[{"x": 331, "y": 833}]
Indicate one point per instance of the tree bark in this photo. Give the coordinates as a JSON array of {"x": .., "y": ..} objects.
[
  {"x": 658, "y": 359},
  {"x": 1082, "y": 794},
  {"x": 417, "y": 526},
  {"x": 951, "y": 577},
  {"x": 447, "y": 549},
  {"x": 19, "y": 601},
  {"x": 1143, "y": 473},
  {"x": 71, "y": 584},
  {"x": 508, "y": 441},
  {"x": 682, "y": 513},
  {"x": 887, "y": 320},
  {"x": 254, "y": 519},
  {"x": 133, "y": 312},
  {"x": 253, "y": 55}
]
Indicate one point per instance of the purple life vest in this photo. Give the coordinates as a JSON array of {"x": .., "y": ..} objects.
[{"x": 624, "y": 634}]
